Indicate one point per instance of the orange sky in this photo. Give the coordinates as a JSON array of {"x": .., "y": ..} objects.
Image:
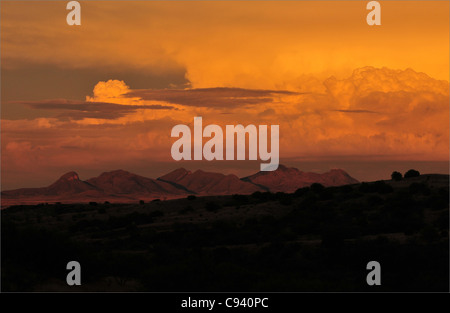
[{"x": 128, "y": 74}]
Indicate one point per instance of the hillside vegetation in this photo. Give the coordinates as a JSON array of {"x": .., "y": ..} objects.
[{"x": 315, "y": 239}]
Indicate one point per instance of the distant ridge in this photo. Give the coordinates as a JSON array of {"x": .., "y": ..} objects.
[
  {"x": 123, "y": 186},
  {"x": 286, "y": 179},
  {"x": 67, "y": 184},
  {"x": 121, "y": 182},
  {"x": 209, "y": 183}
]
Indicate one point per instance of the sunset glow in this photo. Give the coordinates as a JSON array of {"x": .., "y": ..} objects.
[{"x": 105, "y": 95}]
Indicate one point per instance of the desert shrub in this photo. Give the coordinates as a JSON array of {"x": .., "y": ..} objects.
[
  {"x": 374, "y": 200},
  {"x": 212, "y": 206},
  {"x": 257, "y": 194},
  {"x": 381, "y": 187},
  {"x": 326, "y": 194},
  {"x": 285, "y": 200},
  {"x": 240, "y": 199},
  {"x": 429, "y": 233},
  {"x": 157, "y": 213},
  {"x": 416, "y": 188},
  {"x": 301, "y": 191},
  {"x": 263, "y": 196},
  {"x": 332, "y": 238},
  {"x": 317, "y": 188},
  {"x": 186, "y": 210},
  {"x": 346, "y": 189},
  {"x": 378, "y": 186},
  {"x": 442, "y": 221}
]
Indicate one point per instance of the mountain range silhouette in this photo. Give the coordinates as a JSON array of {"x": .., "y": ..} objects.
[{"x": 123, "y": 186}]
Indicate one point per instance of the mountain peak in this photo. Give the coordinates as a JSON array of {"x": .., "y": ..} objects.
[
  {"x": 289, "y": 179},
  {"x": 70, "y": 176},
  {"x": 182, "y": 170},
  {"x": 117, "y": 172},
  {"x": 337, "y": 170},
  {"x": 121, "y": 184},
  {"x": 209, "y": 183},
  {"x": 284, "y": 168},
  {"x": 175, "y": 175}
]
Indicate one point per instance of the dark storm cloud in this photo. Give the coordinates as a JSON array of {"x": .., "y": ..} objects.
[
  {"x": 209, "y": 97},
  {"x": 267, "y": 112},
  {"x": 77, "y": 110},
  {"x": 32, "y": 82},
  {"x": 357, "y": 111}
]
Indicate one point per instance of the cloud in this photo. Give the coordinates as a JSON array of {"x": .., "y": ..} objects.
[
  {"x": 228, "y": 44},
  {"x": 373, "y": 113},
  {"x": 401, "y": 113},
  {"x": 78, "y": 110},
  {"x": 209, "y": 97},
  {"x": 267, "y": 113},
  {"x": 110, "y": 89},
  {"x": 357, "y": 111}
]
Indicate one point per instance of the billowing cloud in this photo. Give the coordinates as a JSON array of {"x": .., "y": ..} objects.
[
  {"x": 111, "y": 89},
  {"x": 377, "y": 111},
  {"x": 288, "y": 63},
  {"x": 268, "y": 45},
  {"x": 373, "y": 113}
]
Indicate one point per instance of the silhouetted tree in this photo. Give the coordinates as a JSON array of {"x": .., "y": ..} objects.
[
  {"x": 412, "y": 173},
  {"x": 396, "y": 176}
]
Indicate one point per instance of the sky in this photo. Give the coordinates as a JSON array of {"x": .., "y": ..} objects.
[{"x": 105, "y": 95}]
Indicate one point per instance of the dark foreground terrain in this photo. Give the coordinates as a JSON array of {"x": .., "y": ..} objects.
[{"x": 316, "y": 239}]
